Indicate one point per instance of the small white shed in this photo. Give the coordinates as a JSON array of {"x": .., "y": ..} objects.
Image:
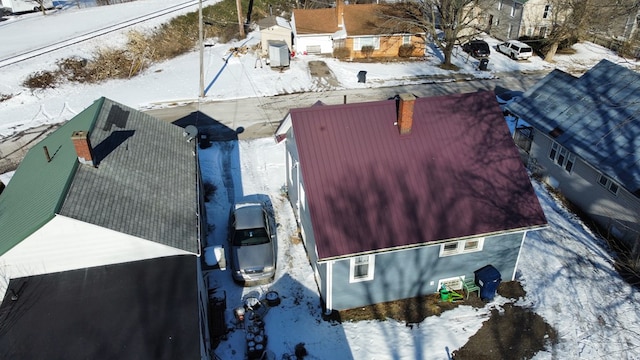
[
  {"x": 274, "y": 28},
  {"x": 279, "y": 55}
]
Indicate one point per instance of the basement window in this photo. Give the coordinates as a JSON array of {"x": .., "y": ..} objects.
[
  {"x": 453, "y": 283},
  {"x": 461, "y": 247}
]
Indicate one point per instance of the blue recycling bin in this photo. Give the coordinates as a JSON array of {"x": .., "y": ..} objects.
[{"x": 487, "y": 278}]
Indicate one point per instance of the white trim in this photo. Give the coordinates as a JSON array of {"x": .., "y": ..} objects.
[
  {"x": 370, "y": 262},
  {"x": 461, "y": 247}
]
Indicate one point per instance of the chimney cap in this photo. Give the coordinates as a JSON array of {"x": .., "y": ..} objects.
[
  {"x": 79, "y": 134},
  {"x": 407, "y": 97}
]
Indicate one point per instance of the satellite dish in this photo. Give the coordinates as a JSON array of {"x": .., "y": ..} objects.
[{"x": 190, "y": 132}]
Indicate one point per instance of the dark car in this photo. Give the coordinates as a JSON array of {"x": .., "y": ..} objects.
[
  {"x": 253, "y": 243},
  {"x": 477, "y": 48}
]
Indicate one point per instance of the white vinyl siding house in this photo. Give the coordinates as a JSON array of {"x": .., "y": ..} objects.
[
  {"x": 67, "y": 244},
  {"x": 587, "y": 148}
]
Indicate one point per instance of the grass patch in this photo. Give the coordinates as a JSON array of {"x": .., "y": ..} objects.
[{"x": 143, "y": 49}]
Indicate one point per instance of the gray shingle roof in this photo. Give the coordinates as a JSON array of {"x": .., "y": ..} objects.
[
  {"x": 597, "y": 117},
  {"x": 145, "y": 180}
]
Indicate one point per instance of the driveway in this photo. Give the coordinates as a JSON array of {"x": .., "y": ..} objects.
[{"x": 323, "y": 77}]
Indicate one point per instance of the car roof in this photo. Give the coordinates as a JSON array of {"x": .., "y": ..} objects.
[
  {"x": 518, "y": 43},
  {"x": 249, "y": 216}
]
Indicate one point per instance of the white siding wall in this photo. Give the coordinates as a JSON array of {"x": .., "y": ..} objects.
[
  {"x": 305, "y": 42},
  {"x": 67, "y": 244},
  {"x": 274, "y": 33},
  {"x": 581, "y": 187}
]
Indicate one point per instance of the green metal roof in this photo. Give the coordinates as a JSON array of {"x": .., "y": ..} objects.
[
  {"x": 37, "y": 189},
  {"x": 144, "y": 183}
]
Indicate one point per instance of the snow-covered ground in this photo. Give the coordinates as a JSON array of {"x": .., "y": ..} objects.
[{"x": 567, "y": 272}]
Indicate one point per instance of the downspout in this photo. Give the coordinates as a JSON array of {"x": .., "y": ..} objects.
[
  {"x": 515, "y": 268},
  {"x": 328, "y": 301},
  {"x": 299, "y": 183}
]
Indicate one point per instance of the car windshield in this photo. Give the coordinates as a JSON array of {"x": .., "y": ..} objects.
[
  {"x": 248, "y": 237},
  {"x": 481, "y": 46}
]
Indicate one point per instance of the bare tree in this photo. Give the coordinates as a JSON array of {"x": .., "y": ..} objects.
[
  {"x": 446, "y": 22},
  {"x": 42, "y": 6},
  {"x": 574, "y": 19}
]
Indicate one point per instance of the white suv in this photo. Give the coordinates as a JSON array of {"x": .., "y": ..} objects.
[{"x": 515, "y": 50}]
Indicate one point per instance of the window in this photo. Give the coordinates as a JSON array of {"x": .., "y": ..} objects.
[
  {"x": 513, "y": 9},
  {"x": 361, "y": 268},
  {"x": 500, "y": 5},
  {"x": 461, "y": 247},
  {"x": 554, "y": 151},
  {"x": 450, "y": 248},
  {"x": 453, "y": 283},
  {"x": 509, "y": 31},
  {"x": 608, "y": 184},
  {"x": 571, "y": 159},
  {"x": 543, "y": 31},
  {"x": 406, "y": 39},
  {"x": 359, "y": 42},
  {"x": 562, "y": 157},
  {"x": 470, "y": 245},
  {"x": 547, "y": 12}
]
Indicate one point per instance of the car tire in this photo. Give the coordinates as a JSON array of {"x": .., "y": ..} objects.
[{"x": 513, "y": 56}]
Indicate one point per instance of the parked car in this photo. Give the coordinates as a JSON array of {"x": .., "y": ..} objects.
[
  {"x": 515, "y": 49},
  {"x": 252, "y": 241},
  {"x": 477, "y": 48}
]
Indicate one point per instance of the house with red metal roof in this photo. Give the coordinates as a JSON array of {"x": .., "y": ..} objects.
[{"x": 397, "y": 197}]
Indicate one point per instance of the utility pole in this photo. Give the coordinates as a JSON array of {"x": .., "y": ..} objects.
[
  {"x": 201, "y": 46},
  {"x": 240, "y": 24}
]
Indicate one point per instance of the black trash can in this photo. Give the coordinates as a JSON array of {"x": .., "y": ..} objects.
[
  {"x": 488, "y": 278},
  {"x": 483, "y": 64},
  {"x": 362, "y": 76}
]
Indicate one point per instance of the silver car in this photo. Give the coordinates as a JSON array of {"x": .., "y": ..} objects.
[{"x": 252, "y": 240}]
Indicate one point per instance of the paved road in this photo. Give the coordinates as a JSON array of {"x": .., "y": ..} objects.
[{"x": 259, "y": 117}]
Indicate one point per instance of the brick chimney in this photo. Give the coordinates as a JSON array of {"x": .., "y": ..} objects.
[
  {"x": 83, "y": 147},
  {"x": 340, "y": 12},
  {"x": 405, "y": 113}
]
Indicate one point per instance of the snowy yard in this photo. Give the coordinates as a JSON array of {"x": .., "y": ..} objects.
[{"x": 566, "y": 270}]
